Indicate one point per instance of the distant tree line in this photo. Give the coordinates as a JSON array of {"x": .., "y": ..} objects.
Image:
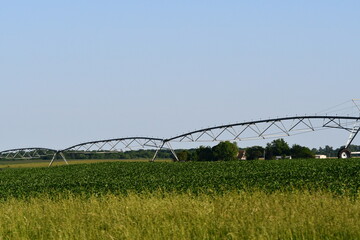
[
  {"x": 133, "y": 154},
  {"x": 224, "y": 151},
  {"x": 332, "y": 152},
  {"x": 278, "y": 149}
]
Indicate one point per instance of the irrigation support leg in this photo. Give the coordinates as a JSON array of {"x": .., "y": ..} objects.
[
  {"x": 53, "y": 158},
  {"x": 172, "y": 151},
  {"x": 63, "y": 157},
  {"x": 156, "y": 152},
  {"x": 355, "y": 130}
]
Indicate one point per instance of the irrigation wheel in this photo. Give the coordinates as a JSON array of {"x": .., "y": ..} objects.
[{"x": 344, "y": 153}]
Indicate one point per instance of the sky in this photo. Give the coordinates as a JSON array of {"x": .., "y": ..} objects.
[{"x": 76, "y": 71}]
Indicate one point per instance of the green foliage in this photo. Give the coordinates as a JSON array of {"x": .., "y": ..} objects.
[
  {"x": 333, "y": 175},
  {"x": 186, "y": 155},
  {"x": 225, "y": 151},
  {"x": 183, "y": 155},
  {"x": 277, "y": 147},
  {"x": 331, "y": 152},
  {"x": 204, "y": 154},
  {"x": 192, "y": 154},
  {"x": 134, "y": 154},
  {"x": 253, "y": 153},
  {"x": 298, "y": 151},
  {"x": 327, "y": 150},
  {"x": 159, "y": 215}
]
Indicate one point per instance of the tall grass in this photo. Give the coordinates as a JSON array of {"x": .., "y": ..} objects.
[{"x": 256, "y": 215}]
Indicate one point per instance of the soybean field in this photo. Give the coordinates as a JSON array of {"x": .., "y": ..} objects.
[{"x": 339, "y": 177}]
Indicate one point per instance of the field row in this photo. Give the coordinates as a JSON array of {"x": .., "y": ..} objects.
[{"x": 337, "y": 176}]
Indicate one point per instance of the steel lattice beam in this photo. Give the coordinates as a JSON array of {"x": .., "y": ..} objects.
[
  {"x": 261, "y": 129},
  {"x": 116, "y": 145},
  {"x": 269, "y": 128},
  {"x": 27, "y": 153}
]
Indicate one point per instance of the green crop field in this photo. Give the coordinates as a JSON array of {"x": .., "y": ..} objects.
[
  {"x": 283, "y": 199},
  {"x": 339, "y": 177},
  {"x": 45, "y": 163}
]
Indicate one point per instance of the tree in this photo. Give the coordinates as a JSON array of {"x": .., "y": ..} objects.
[
  {"x": 254, "y": 152},
  {"x": 225, "y": 151},
  {"x": 277, "y": 147},
  {"x": 328, "y": 151},
  {"x": 183, "y": 155},
  {"x": 298, "y": 151},
  {"x": 204, "y": 154},
  {"x": 192, "y": 155}
]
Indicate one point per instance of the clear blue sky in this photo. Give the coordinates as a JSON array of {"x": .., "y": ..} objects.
[{"x": 73, "y": 71}]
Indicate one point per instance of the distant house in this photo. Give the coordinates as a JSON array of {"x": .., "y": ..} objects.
[
  {"x": 320, "y": 156},
  {"x": 242, "y": 155}
]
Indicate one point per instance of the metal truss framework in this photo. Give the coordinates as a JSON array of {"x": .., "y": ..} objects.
[
  {"x": 261, "y": 129},
  {"x": 27, "y": 153},
  {"x": 271, "y": 128},
  {"x": 115, "y": 145}
]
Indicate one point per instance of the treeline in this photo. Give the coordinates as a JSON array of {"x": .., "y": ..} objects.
[
  {"x": 229, "y": 151},
  {"x": 332, "y": 152},
  {"x": 133, "y": 154},
  {"x": 224, "y": 151},
  {"x": 278, "y": 149}
]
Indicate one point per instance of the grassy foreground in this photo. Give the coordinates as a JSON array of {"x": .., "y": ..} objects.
[
  {"x": 288, "y": 199},
  {"x": 256, "y": 215}
]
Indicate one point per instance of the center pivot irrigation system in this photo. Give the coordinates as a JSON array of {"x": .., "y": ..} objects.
[{"x": 251, "y": 130}]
